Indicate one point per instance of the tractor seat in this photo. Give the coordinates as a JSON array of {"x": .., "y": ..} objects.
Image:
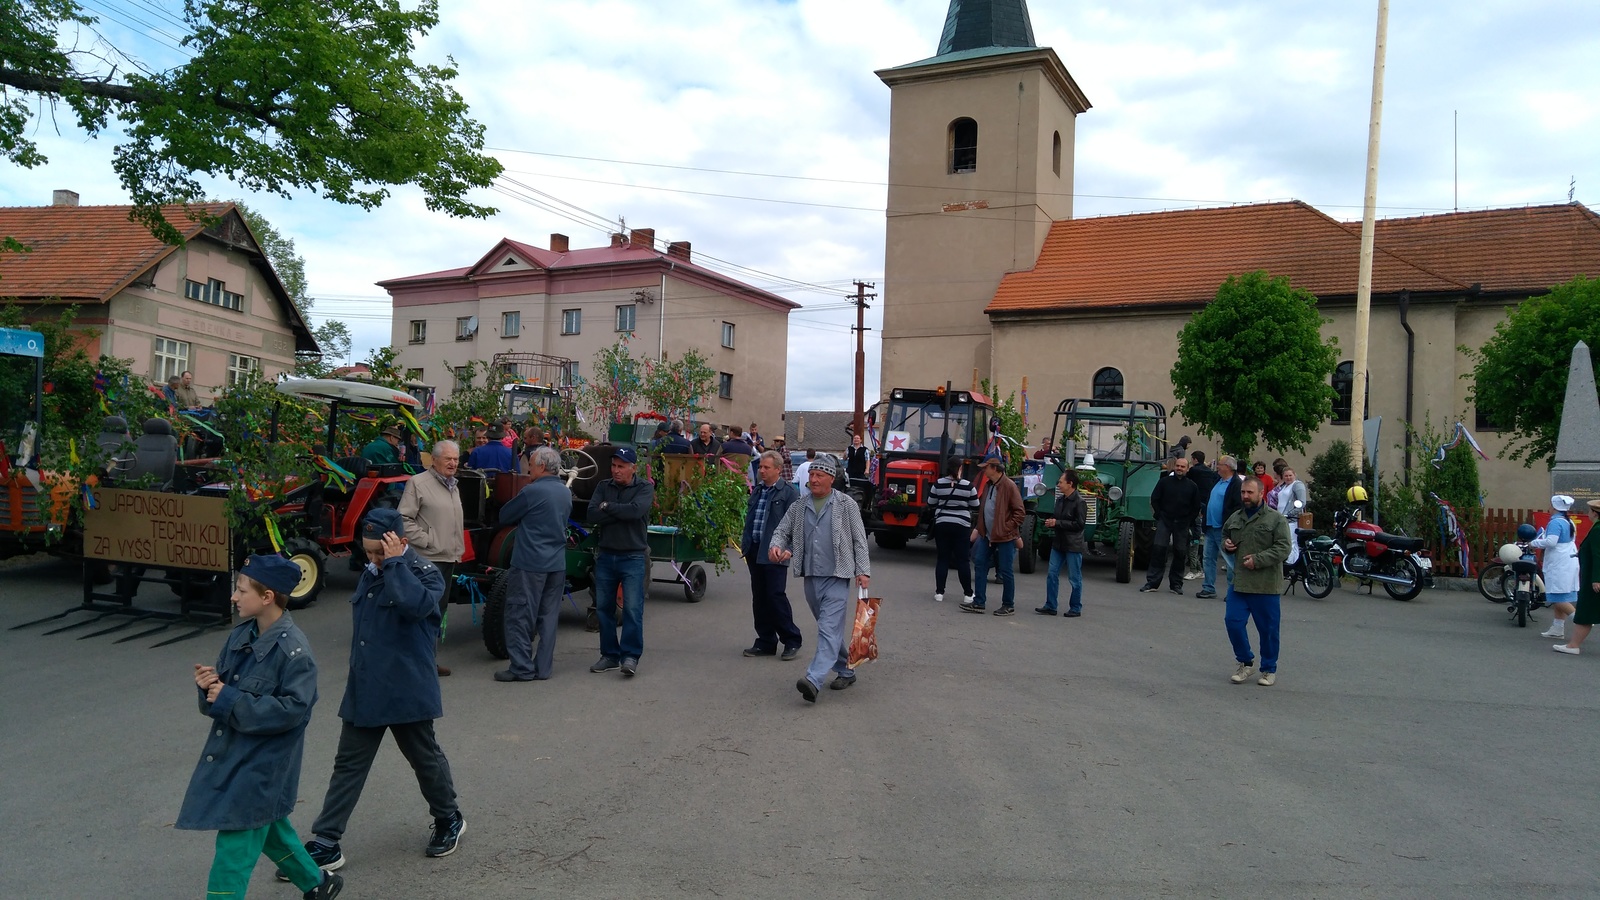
[
  {"x": 355, "y": 465},
  {"x": 111, "y": 440},
  {"x": 1399, "y": 541},
  {"x": 155, "y": 452}
]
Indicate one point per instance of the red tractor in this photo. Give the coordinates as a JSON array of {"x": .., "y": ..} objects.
[{"x": 916, "y": 432}]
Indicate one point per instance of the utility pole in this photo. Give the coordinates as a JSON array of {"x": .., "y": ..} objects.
[
  {"x": 1358, "y": 392},
  {"x": 859, "y": 422}
]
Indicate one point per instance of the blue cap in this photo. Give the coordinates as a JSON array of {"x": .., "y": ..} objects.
[
  {"x": 626, "y": 454},
  {"x": 381, "y": 521},
  {"x": 272, "y": 572}
]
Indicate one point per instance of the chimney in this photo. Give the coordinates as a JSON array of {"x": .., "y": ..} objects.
[
  {"x": 643, "y": 237},
  {"x": 679, "y": 250},
  {"x": 619, "y": 240},
  {"x": 63, "y": 198},
  {"x": 558, "y": 243}
]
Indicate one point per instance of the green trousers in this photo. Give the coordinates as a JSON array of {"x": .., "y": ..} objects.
[{"x": 236, "y": 859}]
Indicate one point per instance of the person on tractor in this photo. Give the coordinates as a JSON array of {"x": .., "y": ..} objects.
[{"x": 383, "y": 450}]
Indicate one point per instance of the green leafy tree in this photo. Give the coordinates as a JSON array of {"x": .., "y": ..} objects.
[
  {"x": 1011, "y": 426},
  {"x": 1253, "y": 366},
  {"x": 318, "y": 95},
  {"x": 679, "y": 388},
  {"x": 614, "y": 389},
  {"x": 1519, "y": 377},
  {"x": 477, "y": 396},
  {"x": 1329, "y": 476}
]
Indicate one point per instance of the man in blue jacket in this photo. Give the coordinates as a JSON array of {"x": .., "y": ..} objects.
[
  {"x": 769, "y": 502},
  {"x": 393, "y": 686},
  {"x": 620, "y": 508},
  {"x": 538, "y": 567}
]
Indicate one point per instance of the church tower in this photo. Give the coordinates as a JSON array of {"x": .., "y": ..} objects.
[{"x": 980, "y": 164}]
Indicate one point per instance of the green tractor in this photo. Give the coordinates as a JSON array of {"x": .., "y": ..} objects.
[{"x": 1118, "y": 449}]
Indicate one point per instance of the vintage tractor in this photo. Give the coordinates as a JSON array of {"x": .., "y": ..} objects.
[
  {"x": 29, "y": 509},
  {"x": 917, "y": 431},
  {"x": 1118, "y": 449}
]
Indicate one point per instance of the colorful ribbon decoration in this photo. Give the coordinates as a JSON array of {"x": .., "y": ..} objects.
[
  {"x": 1461, "y": 434},
  {"x": 1450, "y": 531},
  {"x": 273, "y": 534}
]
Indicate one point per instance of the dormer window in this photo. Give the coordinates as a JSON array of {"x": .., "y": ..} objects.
[{"x": 963, "y": 141}]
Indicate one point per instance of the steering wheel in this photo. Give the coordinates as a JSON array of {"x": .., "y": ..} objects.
[{"x": 578, "y": 464}]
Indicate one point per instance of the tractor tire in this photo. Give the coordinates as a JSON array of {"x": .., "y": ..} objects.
[
  {"x": 313, "y": 565},
  {"x": 1027, "y": 559},
  {"x": 494, "y": 616},
  {"x": 1125, "y": 550}
]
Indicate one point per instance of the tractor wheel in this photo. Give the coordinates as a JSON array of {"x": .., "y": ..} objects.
[
  {"x": 694, "y": 583},
  {"x": 312, "y": 563},
  {"x": 1026, "y": 558},
  {"x": 494, "y": 616},
  {"x": 1125, "y": 542}
]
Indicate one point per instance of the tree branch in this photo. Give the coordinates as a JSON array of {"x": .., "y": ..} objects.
[{"x": 56, "y": 85}]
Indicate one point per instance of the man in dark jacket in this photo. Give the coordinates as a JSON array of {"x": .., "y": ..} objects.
[
  {"x": 1221, "y": 502},
  {"x": 1066, "y": 546},
  {"x": 769, "y": 600},
  {"x": 620, "y": 508},
  {"x": 1200, "y": 473},
  {"x": 538, "y": 568},
  {"x": 675, "y": 442},
  {"x": 393, "y": 686},
  {"x": 1175, "y": 502},
  {"x": 706, "y": 444}
]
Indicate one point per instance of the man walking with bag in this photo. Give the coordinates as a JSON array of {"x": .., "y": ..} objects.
[{"x": 823, "y": 541}]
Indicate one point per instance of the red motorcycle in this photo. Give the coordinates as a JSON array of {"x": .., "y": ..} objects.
[{"x": 1371, "y": 554}]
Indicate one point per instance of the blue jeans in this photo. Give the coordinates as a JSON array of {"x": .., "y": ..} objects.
[
  {"x": 1052, "y": 579},
  {"x": 1208, "y": 559},
  {"x": 1003, "y": 555},
  {"x": 832, "y": 601},
  {"x": 610, "y": 570},
  {"x": 1264, "y": 609}
]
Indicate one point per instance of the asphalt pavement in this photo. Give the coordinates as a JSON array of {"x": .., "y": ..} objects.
[{"x": 1421, "y": 749}]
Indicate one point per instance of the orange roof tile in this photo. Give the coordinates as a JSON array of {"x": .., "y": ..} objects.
[
  {"x": 84, "y": 253},
  {"x": 1180, "y": 257}
]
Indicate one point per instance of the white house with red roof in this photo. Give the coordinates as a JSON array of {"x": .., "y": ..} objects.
[{"x": 572, "y": 303}]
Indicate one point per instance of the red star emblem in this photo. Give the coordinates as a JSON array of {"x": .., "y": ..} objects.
[{"x": 897, "y": 443}]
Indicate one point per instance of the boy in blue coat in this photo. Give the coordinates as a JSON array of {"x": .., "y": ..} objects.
[{"x": 260, "y": 694}]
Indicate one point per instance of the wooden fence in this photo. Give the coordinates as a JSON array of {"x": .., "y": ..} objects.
[{"x": 1493, "y": 528}]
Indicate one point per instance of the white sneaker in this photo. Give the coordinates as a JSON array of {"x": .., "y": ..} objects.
[
  {"x": 939, "y": 598},
  {"x": 1243, "y": 673},
  {"x": 1563, "y": 648},
  {"x": 1553, "y": 632},
  {"x": 966, "y": 598}
]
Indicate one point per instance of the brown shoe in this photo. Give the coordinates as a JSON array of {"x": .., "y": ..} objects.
[{"x": 442, "y": 670}]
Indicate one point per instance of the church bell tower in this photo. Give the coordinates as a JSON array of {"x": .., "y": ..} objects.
[{"x": 980, "y": 164}]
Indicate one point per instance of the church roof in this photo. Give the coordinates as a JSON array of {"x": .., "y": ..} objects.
[
  {"x": 1181, "y": 257},
  {"x": 976, "y": 24}
]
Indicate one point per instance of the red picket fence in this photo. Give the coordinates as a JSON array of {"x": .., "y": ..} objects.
[{"x": 1494, "y": 528}]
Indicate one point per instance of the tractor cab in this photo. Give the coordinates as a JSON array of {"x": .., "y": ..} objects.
[
  {"x": 916, "y": 432},
  {"x": 24, "y": 512}
]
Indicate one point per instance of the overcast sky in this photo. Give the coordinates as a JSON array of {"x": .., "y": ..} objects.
[{"x": 756, "y": 130}]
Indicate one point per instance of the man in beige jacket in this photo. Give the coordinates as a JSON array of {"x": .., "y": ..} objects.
[{"x": 431, "y": 506}]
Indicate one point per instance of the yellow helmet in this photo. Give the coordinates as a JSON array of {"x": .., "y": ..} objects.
[{"x": 1356, "y": 494}]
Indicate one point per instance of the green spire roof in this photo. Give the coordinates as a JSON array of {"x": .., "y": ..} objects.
[{"x": 976, "y": 24}]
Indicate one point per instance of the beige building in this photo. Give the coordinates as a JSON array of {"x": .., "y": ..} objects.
[
  {"x": 986, "y": 271},
  {"x": 572, "y": 303},
  {"x": 211, "y": 305}
]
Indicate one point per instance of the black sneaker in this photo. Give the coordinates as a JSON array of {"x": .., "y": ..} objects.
[
  {"x": 790, "y": 653},
  {"x": 446, "y": 835},
  {"x": 1149, "y": 589},
  {"x": 1206, "y": 595},
  {"x": 1072, "y": 614},
  {"x": 329, "y": 888},
  {"x": 1006, "y": 611},
  {"x": 971, "y": 608},
  {"x": 630, "y": 666},
  {"x": 604, "y": 664},
  {"x": 327, "y": 857},
  {"x": 1044, "y": 610},
  {"x": 806, "y": 689},
  {"x": 841, "y": 682},
  {"x": 1178, "y": 591},
  {"x": 760, "y": 651}
]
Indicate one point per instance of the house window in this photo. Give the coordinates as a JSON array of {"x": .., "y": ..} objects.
[
  {"x": 213, "y": 292},
  {"x": 569, "y": 374},
  {"x": 626, "y": 314},
  {"x": 463, "y": 378},
  {"x": 1108, "y": 386},
  {"x": 1482, "y": 422},
  {"x": 466, "y": 328},
  {"x": 1344, "y": 388},
  {"x": 727, "y": 335},
  {"x": 414, "y": 375},
  {"x": 963, "y": 142},
  {"x": 419, "y": 331},
  {"x": 510, "y": 324},
  {"x": 571, "y": 321},
  {"x": 172, "y": 358},
  {"x": 242, "y": 368},
  {"x": 1055, "y": 154},
  {"x": 725, "y": 386}
]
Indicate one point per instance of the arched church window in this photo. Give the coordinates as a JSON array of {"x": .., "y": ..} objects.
[
  {"x": 1055, "y": 154},
  {"x": 1108, "y": 385},
  {"x": 963, "y": 145},
  {"x": 1344, "y": 388}
]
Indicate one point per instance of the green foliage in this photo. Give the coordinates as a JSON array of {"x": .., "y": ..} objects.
[
  {"x": 1253, "y": 366},
  {"x": 611, "y": 394},
  {"x": 320, "y": 95},
  {"x": 1519, "y": 377},
  {"x": 1011, "y": 425},
  {"x": 1455, "y": 480},
  {"x": 680, "y": 388},
  {"x": 707, "y": 505},
  {"x": 1329, "y": 476},
  {"x": 255, "y": 466},
  {"x": 478, "y": 396},
  {"x": 1402, "y": 510}
]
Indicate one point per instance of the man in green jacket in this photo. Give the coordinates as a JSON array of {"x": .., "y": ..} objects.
[{"x": 1258, "y": 538}]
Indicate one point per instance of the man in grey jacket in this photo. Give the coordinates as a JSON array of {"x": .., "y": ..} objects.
[
  {"x": 620, "y": 508},
  {"x": 823, "y": 541},
  {"x": 538, "y": 567}
]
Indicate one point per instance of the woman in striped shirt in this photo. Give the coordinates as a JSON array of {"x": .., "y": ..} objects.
[{"x": 952, "y": 500}]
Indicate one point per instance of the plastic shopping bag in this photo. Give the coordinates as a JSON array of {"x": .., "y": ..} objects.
[{"x": 864, "y": 637}]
